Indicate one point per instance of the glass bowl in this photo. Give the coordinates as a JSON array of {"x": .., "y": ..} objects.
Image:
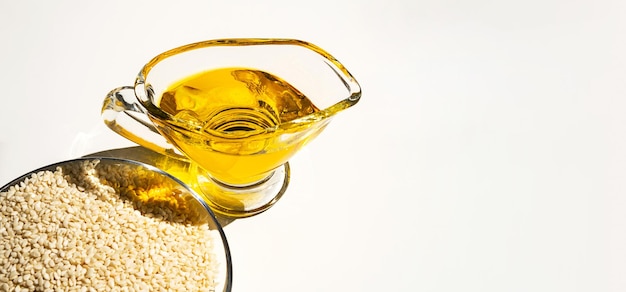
[{"x": 165, "y": 219}]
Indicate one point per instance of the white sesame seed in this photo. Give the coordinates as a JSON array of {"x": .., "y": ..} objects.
[{"x": 72, "y": 229}]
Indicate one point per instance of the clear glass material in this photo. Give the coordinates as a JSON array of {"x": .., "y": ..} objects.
[
  {"x": 141, "y": 173},
  {"x": 239, "y": 126}
]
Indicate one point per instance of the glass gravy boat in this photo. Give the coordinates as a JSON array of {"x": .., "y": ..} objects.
[{"x": 236, "y": 110}]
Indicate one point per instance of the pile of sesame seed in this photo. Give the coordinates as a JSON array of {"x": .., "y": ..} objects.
[{"x": 91, "y": 227}]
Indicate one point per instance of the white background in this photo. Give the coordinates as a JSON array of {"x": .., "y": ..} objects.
[{"x": 487, "y": 152}]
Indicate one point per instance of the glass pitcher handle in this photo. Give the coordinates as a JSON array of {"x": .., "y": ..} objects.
[{"x": 124, "y": 115}]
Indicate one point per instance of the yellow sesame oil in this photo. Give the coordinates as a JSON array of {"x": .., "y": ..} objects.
[{"x": 228, "y": 121}]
